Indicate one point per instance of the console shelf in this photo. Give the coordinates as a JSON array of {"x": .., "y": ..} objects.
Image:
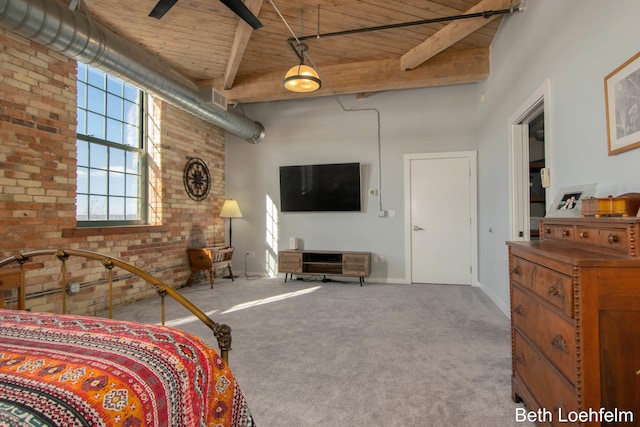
[{"x": 328, "y": 263}]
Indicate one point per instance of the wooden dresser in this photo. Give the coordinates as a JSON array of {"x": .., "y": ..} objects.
[{"x": 575, "y": 316}]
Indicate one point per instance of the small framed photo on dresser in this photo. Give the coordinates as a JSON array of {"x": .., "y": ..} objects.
[{"x": 568, "y": 201}]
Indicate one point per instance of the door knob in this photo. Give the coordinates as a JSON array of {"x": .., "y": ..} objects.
[{"x": 416, "y": 228}]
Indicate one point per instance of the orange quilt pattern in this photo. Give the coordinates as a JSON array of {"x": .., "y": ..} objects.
[{"x": 73, "y": 370}]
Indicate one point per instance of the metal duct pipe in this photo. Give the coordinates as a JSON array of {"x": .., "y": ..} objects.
[{"x": 50, "y": 23}]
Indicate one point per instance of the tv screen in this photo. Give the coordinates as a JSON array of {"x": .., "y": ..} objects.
[{"x": 316, "y": 188}]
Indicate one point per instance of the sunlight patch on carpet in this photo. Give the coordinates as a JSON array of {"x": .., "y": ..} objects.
[
  {"x": 271, "y": 299},
  {"x": 186, "y": 319}
]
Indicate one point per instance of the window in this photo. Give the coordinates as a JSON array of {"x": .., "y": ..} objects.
[{"x": 111, "y": 172}]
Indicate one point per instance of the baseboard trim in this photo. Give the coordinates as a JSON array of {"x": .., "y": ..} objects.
[{"x": 504, "y": 306}]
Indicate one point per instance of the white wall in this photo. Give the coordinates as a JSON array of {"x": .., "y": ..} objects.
[
  {"x": 572, "y": 43},
  {"x": 319, "y": 131}
]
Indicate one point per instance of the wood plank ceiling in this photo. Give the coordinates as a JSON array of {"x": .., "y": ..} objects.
[{"x": 210, "y": 45}]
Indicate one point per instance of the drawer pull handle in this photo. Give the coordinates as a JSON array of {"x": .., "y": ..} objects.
[
  {"x": 584, "y": 234},
  {"x": 559, "y": 344},
  {"x": 565, "y": 233},
  {"x": 556, "y": 290},
  {"x": 547, "y": 230},
  {"x": 517, "y": 270},
  {"x": 520, "y": 359},
  {"x": 612, "y": 238},
  {"x": 519, "y": 310}
]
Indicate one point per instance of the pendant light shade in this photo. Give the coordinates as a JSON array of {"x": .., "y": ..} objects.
[{"x": 302, "y": 78}]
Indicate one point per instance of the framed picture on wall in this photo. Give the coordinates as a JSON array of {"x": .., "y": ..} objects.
[
  {"x": 568, "y": 201},
  {"x": 622, "y": 97}
]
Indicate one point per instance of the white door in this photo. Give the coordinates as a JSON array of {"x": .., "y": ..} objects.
[{"x": 441, "y": 219}]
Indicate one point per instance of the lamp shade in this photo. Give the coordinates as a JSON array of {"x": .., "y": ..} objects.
[
  {"x": 302, "y": 78},
  {"x": 230, "y": 209}
]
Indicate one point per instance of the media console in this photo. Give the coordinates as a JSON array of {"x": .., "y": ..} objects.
[{"x": 326, "y": 263}]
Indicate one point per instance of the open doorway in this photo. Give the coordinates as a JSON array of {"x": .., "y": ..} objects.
[
  {"x": 537, "y": 165},
  {"x": 528, "y": 156}
]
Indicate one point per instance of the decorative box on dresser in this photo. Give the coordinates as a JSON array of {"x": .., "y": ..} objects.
[{"x": 575, "y": 322}]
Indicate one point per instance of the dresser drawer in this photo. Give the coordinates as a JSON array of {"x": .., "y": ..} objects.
[
  {"x": 522, "y": 271},
  {"x": 561, "y": 232},
  {"x": 617, "y": 236},
  {"x": 552, "y": 334},
  {"x": 609, "y": 238},
  {"x": 548, "y": 387},
  {"x": 548, "y": 284}
]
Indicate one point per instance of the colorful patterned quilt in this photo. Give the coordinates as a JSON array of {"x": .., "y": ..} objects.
[{"x": 64, "y": 370}]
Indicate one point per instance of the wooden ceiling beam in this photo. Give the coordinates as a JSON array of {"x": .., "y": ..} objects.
[
  {"x": 451, "y": 34},
  {"x": 240, "y": 42},
  {"x": 466, "y": 66}
]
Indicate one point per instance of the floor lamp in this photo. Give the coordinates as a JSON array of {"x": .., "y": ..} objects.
[{"x": 230, "y": 210}]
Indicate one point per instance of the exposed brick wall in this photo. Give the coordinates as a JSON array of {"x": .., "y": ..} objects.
[{"x": 38, "y": 184}]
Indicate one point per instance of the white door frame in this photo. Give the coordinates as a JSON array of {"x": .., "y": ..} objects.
[
  {"x": 519, "y": 160},
  {"x": 473, "y": 206}
]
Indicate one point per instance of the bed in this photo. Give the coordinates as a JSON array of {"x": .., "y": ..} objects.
[{"x": 59, "y": 369}]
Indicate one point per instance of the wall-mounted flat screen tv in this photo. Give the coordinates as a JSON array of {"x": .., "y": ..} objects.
[{"x": 318, "y": 188}]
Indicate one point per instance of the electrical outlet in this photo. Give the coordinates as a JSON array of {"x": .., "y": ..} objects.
[
  {"x": 253, "y": 254},
  {"x": 73, "y": 288}
]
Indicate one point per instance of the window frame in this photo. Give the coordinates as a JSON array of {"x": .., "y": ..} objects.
[{"x": 142, "y": 193}]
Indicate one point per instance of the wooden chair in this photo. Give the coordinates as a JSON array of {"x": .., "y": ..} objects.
[
  {"x": 10, "y": 279},
  {"x": 209, "y": 259}
]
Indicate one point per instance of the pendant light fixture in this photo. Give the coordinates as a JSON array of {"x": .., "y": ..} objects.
[{"x": 301, "y": 78}]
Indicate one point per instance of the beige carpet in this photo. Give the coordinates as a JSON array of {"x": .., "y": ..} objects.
[{"x": 308, "y": 353}]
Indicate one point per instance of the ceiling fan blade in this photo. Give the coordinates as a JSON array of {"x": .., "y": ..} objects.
[
  {"x": 239, "y": 8},
  {"x": 161, "y": 8}
]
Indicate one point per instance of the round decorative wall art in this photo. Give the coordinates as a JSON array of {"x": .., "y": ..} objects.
[{"x": 197, "y": 180}]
